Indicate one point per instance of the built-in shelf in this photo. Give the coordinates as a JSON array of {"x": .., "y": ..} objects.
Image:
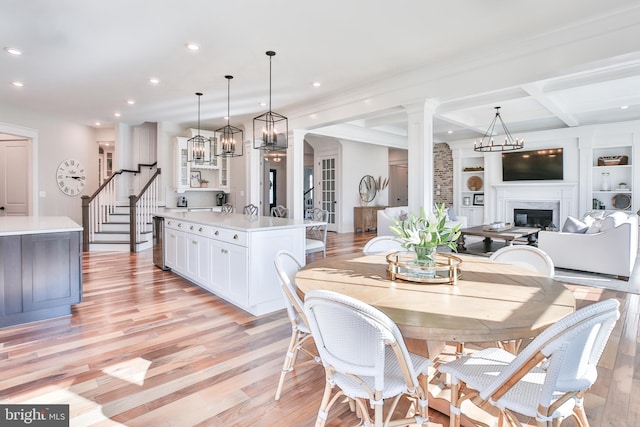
[
  {"x": 607, "y": 178},
  {"x": 472, "y": 190}
]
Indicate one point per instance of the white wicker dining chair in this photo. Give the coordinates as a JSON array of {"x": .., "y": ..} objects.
[
  {"x": 528, "y": 257},
  {"x": 316, "y": 235},
  {"x": 279, "y": 211},
  {"x": 365, "y": 357},
  {"x": 250, "y": 209},
  {"x": 380, "y": 244},
  {"x": 227, "y": 208},
  {"x": 286, "y": 266},
  {"x": 547, "y": 380}
]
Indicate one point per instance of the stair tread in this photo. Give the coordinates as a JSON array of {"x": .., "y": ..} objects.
[
  {"x": 115, "y": 242},
  {"x": 120, "y": 232}
]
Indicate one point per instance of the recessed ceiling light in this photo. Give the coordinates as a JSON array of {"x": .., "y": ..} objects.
[
  {"x": 449, "y": 131},
  {"x": 263, "y": 104},
  {"x": 624, "y": 107},
  {"x": 154, "y": 81},
  {"x": 316, "y": 84},
  {"x": 98, "y": 123},
  {"x": 13, "y": 51},
  {"x": 17, "y": 84},
  {"x": 192, "y": 47},
  {"x": 116, "y": 114},
  {"x": 131, "y": 102}
]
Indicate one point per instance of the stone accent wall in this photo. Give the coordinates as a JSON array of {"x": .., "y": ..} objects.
[{"x": 442, "y": 174}]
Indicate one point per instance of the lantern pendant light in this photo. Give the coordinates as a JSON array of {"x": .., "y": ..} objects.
[
  {"x": 199, "y": 147},
  {"x": 270, "y": 130},
  {"x": 230, "y": 138}
]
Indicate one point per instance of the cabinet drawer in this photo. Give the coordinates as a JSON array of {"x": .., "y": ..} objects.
[
  {"x": 199, "y": 229},
  {"x": 230, "y": 236},
  {"x": 176, "y": 224}
]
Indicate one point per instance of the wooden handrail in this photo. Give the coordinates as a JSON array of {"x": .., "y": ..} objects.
[{"x": 93, "y": 218}]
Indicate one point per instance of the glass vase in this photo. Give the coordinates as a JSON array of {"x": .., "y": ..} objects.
[
  {"x": 425, "y": 255},
  {"x": 606, "y": 181}
]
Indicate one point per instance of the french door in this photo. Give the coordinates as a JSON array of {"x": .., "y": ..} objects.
[{"x": 327, "y": 188}]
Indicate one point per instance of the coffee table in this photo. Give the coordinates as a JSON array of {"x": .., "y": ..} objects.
[{"x": 531, "y": 233}]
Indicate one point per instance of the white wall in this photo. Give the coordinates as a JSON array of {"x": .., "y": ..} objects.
[
  {"x": 359, "y": 159},
  {"x": 57, "y": 140}
]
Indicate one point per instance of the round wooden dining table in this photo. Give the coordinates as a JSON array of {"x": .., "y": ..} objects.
[{"x": 491, "y": 301}]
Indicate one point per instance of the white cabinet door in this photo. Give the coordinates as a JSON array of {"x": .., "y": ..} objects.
[
  {"x": 218, "y": 267},
  {"x": 193, "y": 256},
  {"x": 181, "y": 252},
  {"x": 238, "y": 284},
  {"x": 228, "y": 271},
  {"x": 170, "y": 247}
]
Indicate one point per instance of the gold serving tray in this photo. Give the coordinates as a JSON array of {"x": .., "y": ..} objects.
[{"x": 402, "y": 265}]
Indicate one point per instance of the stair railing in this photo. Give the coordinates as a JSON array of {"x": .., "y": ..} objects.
[
  {"x": 98, "y": 208},
  {"x": 141, "y": 209}
]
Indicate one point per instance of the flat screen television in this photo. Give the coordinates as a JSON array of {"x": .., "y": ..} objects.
[{"x": 533, "y": 165}]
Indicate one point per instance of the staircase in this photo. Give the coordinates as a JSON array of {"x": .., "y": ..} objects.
[
  {"x": 115, "y": 234},
  {"x": 109, "y": 225}
]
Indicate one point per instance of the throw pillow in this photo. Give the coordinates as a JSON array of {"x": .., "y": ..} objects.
[
  {"x": 574, "y": 225},
  {"x": 403, "y": 216},
  {"x": 595, "y": 214},
  {"x": 613, "y": 220},
  {"x": 595, "y": 227},
  {"x": 452, "y": 215}
]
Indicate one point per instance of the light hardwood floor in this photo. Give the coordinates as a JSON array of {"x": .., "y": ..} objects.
[{"x": 148, "y": 348}]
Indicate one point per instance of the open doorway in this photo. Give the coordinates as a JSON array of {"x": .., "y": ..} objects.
[
  {"x": 106, "y": 152},
  {"x": 274, "y": 173}
]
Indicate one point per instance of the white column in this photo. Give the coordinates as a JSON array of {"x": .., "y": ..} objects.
[
  {"x": 254, "y": 176},
  {"x": 295, "y": 174},
  {"x": 420, "y": 154}
]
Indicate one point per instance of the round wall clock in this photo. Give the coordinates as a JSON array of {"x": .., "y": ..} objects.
[{"x": 70, "y": 177}]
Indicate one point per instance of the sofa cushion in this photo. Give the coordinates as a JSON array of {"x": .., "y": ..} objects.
[
  {"x": 452, "y": 215},
  {"x": 613, "y": 220},
  {"x": 596, "y": 225},
  {"x": 574, "y": 225}
]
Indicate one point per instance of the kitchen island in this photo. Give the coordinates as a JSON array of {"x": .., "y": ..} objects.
[
  {"x": 232, "y": 255},
  {"x": 40, "y": 268}
]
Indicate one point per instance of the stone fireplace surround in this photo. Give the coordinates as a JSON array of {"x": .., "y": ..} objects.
[{"x": 560, "y": 198}]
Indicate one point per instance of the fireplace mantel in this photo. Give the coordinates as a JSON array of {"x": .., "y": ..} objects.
[{"x": 560, "y": 197}]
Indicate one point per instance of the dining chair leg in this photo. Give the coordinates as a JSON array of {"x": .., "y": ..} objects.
[
  {"x": 289, "y": 360},
  {"x": 324, "y": 405},
  {"x": 580, "y": 415},
  {"x": 377, "y": 413},
  {"x": 454, "y": 409}
]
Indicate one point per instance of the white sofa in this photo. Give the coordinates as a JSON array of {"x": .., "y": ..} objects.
[
  {"x": 386, "y": 216},
  {"x": 611, "y": 249}
]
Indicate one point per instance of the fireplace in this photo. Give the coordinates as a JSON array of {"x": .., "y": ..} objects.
[
  {"x": 541, "y": 218},
  {"x": 561, "y": 198}
]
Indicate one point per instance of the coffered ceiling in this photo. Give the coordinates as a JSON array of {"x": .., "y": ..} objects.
[{"x": 579, "y": 60}]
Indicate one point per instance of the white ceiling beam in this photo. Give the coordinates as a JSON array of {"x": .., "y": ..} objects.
[{"x": 536, "y": 93}]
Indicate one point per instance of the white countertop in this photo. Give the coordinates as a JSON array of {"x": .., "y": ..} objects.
[
  {"x": 17, "y": 225},
  {"x": 235, "y": 221}
]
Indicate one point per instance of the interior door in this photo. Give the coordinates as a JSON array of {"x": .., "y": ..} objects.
[
  {"x": 326, "y": 183},
  {"x": 14, "y": 167},
  {"x": 399, "y": 185}
]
